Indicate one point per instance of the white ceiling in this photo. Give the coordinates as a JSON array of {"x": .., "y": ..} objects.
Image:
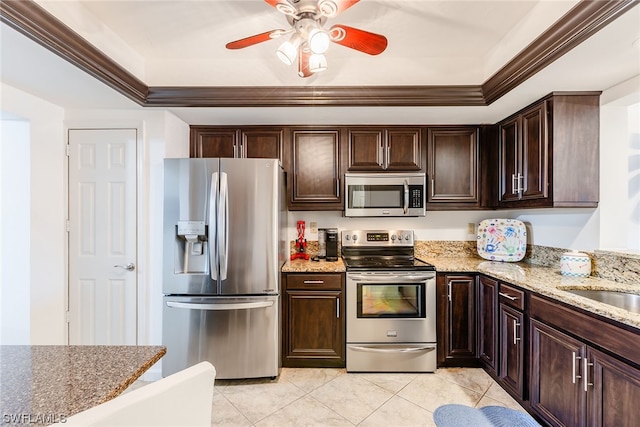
[{"x": 431, "y": 42}]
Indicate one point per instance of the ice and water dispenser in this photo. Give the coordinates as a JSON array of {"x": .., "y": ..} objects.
[{"x": 192, "y": 254}]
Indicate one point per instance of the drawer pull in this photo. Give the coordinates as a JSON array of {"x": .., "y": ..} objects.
[
  {"x": 515, "y": 332},
  {"x": 507, "y": 296},
  {"x": 313, "y": 282}
]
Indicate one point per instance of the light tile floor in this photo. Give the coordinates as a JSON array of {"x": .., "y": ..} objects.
[{"x": 332, "y": 397}]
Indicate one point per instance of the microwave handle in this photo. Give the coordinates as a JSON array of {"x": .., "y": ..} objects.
[{"x": 406, "y": 197}]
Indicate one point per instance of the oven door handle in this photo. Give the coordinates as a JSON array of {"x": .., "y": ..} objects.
[
  {"x": 394, "y": 278},
  {"x": 372, "y": 349}
]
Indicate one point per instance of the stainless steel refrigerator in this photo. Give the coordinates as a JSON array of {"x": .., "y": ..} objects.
[{"x": 224, "y": 245}]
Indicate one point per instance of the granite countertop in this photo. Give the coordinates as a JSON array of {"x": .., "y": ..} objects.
[
  {"x": 543, "y": 280},
  {"x": 548, "y": 282},
  {"x": 308, "y": 266},
  {"x": 46, "y": 384}
]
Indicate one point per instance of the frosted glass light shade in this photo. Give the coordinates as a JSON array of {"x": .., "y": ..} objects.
[{"x": 317, "y": 63}]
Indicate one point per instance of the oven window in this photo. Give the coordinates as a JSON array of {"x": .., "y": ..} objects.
[
  {"x": 391, "y": 300},
  {"x": 375, "y": 196}
]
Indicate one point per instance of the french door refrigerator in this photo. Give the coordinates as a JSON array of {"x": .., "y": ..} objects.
[{"x": 224, "y": 245}]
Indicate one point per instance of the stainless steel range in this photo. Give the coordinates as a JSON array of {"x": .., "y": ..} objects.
[{"x": 391, "y": 303}]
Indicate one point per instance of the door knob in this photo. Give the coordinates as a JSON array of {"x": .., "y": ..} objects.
[{"x": 129, "y": 267}]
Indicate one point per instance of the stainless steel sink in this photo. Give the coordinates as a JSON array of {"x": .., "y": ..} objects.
[{"x": 627, "y": 301}]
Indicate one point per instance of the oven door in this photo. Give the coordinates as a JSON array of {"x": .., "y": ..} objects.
[{"x": 391, "y": 307}]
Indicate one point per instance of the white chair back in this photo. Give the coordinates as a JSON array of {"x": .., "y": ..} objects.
[{"x": 182, "y": 399}]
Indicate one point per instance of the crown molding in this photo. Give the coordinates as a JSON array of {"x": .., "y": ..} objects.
[{"x": 581, "y": 22}]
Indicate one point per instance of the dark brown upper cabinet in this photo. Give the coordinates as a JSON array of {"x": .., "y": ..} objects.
[
  {"x": 549, "y": 153},
  {"x": 389, "y": 149},
  {"x": 452, "y": 171},
  {"x": 248, "y": 142},
  {"x": 315, "y": 178}
]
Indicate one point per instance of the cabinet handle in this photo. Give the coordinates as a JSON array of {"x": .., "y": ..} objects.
[
  {"x": 433, "y": 189},
  {"x": 514, "y": 189},
  {"x": 573, "y": 361},
  {"x": 381, "y": 155},
  {"x": 585, "y": 373},
  {"x": 520, "y": 186},
  {"x": 235, "y": 149},
  {"x": 507, "y": 296},
  {"x": 515, "y": 332},
  {"x": 387, "y": 157},
  {"x": 337, "y": 308},
  {"x": 313, "y": 282},
  {"x": 338, "y": 187},
  {"x": 449, "y": 291}
]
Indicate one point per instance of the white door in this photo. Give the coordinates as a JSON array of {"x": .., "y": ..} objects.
[{"x": 102, "y": 236}]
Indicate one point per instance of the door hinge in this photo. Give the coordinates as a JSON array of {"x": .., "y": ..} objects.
[
  {"x": 67, "y": 226},
  {"x": 67, "y": 150}
]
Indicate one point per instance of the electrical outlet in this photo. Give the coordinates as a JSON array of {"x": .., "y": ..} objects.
[
  {"x": 313, "y": 227},
  {"x": 471, "y": 228}
]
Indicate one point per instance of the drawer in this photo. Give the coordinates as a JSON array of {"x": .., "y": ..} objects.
[
  {"x": 511, "y": 296},
  {"x": 314, "y": 281}
]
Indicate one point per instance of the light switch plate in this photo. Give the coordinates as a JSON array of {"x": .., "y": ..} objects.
[
  {"x": 471, "y": 228},
  {"x": 313, "y": 227}
]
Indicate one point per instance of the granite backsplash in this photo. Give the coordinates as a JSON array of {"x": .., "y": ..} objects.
[{"x": 616, "y": 266}]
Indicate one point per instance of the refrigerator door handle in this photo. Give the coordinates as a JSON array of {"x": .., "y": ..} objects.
[
  {"x": 223, "y": 226},
  {"x": 213, "y": 196},
  {"x": 220, "y": 307}
]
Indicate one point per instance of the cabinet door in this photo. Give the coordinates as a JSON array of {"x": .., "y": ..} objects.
[
  {"x": 403, "y": 149},
  {"x": 366, "y": 150},
  {"x": 262, "y": 144},
  {"x": 614, "y": 397},
  {"x": 535, "y": 155},
  {"x": 456, "y": 334},
  {"x": 511, "y": 371},
  {"x": 556, "y": 387},
  {"x": 315, "y": 177},
  {"x": 213, "y": 142},
  {"x": 488, "y": 323},
  {"x": 509, "y": 162},
  {"x": 315, "y": 329},
  {"x": 453, "y": 165}
]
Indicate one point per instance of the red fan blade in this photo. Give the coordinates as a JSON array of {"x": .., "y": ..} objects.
[
  {"x": 303, "y": 62},
  {"x": 251, "y": 40},
  {"x": 361, "y": 40},
  {"x": 275, "y": 2},
  {"x": 341, "y": 5}
]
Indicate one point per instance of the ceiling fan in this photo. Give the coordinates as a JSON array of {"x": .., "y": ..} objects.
[{"x": 309, "y": 39}]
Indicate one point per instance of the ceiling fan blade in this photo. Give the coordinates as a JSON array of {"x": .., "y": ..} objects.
[
  {"x": 303, "y": 63},
  {"x": 255, "y": 39},
  {"x": 361, "y": 40},
  {"x": 332, "y": 8},
  {"x": 274, "y": 3}
]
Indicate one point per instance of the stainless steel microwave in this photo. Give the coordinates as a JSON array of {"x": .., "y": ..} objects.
[{"x": 398, "y": 195}]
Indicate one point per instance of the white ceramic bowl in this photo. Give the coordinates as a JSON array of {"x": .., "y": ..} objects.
[{"x": 575, "y": 264}]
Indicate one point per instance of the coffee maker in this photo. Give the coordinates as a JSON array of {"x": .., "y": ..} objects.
[{"x": 331, "y": 243}]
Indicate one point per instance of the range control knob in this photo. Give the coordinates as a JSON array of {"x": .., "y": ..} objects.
[
  {"x": 393, "y": 237},
  {"x": 347, "y": 237},
  {"x": 407, "y": 237},
  {"x": 355, "y": 237}
]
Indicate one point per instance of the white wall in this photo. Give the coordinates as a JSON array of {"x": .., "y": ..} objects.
[
  {"x": 46, "y": 272},
  {"x": 15, "y": 201}
]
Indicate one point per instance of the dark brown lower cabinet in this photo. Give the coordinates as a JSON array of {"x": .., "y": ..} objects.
[
  {"x": 313, "y": 320},
  {"x": 512, "y": 348},
  {"x": 488, "y": 323},
  {"x": 456, "y": 316},
  {"x": 574, "y": 384}
]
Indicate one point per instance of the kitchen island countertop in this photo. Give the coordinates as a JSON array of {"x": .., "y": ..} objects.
[{"x": 49, "y": 383}]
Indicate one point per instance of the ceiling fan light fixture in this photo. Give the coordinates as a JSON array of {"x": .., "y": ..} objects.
[
  {"x": 317, "y": 63},
  {"x": 288, "y": 50},
  {"x": 319, "y": 41},
  {"x": 328, "y": 8}
]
